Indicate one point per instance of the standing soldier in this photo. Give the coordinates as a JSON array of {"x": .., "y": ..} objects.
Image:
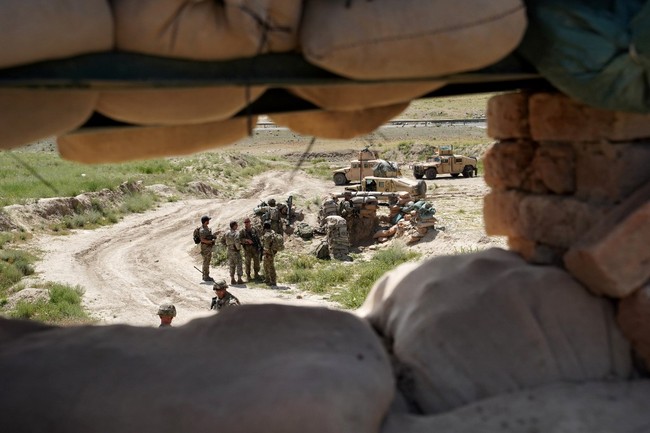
[
  {"x": 345, "y": 206},
  {"x": 233, "y": 245},
  {"x": 273, "y": 216},
  {"x": 252, "y": 245},
  {"x": 268, "y": 239},
  {"x": 207, "y": 242}
]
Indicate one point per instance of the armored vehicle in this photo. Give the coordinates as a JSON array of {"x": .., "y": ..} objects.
[
  {"x": 368, "y": 164},
  {"x": 416, "y": 188},
  {"x": 445, "y": 162}
]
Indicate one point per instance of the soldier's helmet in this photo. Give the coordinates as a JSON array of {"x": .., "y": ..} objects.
[
  {"x": 220, "y": 284},
  {"x": 271, "y": 202},
  {"x": 167, "y": 310}
]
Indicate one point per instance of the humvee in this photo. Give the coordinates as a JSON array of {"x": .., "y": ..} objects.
[
  {"x": 417, "y": 188},
  {"x": 443, "y": 162},
  {"x": 368, "y": 164}
]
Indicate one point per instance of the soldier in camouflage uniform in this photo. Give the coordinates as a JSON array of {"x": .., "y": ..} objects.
[
  {"x": 269, "y": 254},
  {"x": 233, "y": 246},
  {"x": 274, "y": 217},
  {"x": 345, "y": 206},
  {"x": 166, "y": 312},
  {"x": 207, "y": 242},
  {"x": 224, "y": 298},
  {"x": 252, "y": 245}
]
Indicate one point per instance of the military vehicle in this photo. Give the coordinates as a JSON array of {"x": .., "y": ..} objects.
[
  {"x": 381, "y": 185},
  {"x": 445, "y": 162},
  {"x": 368, "y": 164}
]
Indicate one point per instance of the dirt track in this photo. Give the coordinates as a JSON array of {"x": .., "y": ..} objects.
[{"x": 129, "y": 268}]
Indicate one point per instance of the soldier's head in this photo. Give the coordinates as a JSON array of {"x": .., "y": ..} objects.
[
  {"x": 271, "y": 202},
  {"x": 219, "y": 288},
  {"x": 347, "y": 195},
  {"x": 247, "y": 223},
  {"x": 205, "y": 219},
  {"x": 267, "y": 225},
  {"x": 166, "y": 312},
  {"x": 233, "y": 225}
]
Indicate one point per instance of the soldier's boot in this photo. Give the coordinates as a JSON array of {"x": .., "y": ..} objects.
[
  {"x": 248, "y": 277},
  {"x": 239, "y": 280},
  {"x": 232, "y": 280},
  {"x": 257, "y": 276}
]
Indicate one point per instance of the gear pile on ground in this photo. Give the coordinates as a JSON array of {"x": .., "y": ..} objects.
[{"x": 408, "y": 219}]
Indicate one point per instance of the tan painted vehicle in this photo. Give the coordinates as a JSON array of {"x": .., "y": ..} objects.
[
  {"x": 445, "y": 162},
  {"x": 382, "y": 185},
  {"x": 368, "y": 164}
]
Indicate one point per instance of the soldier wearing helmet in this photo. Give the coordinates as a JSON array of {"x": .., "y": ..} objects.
[
  {"x": 250, "y": 241},
  {"x": 273, "y": 216},
  {"x": 166, "y": 312},
  {"x": 233, "y": 248},
  {"x": 224, "y": 298}
]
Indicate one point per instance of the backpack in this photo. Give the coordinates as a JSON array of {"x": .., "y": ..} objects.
[
  {"x": 195, "y": 236},
  {"x": 278, "y": 243}
]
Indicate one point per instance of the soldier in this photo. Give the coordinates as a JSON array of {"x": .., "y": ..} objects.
[
  {"x": 268, "y": 238},
  {"x": 345, "y": 206},
  {"x": 252, "y": 245},
  {"x": 166, "y": 312},
  {"x": 233, "y": 246},
  {"x": 207, "y": 242},
  {"x": 274, "y": 217},
  {"x": 224, "y": 298}
]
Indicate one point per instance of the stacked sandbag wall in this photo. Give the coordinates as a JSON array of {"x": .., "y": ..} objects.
[{"x": 338, "y": 239}]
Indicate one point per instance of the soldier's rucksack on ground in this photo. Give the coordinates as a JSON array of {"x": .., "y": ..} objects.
[
  {"x": 304, "y": 230},
  {"x": 195, "y": 236},
  {"x": 322, "y": 251}
]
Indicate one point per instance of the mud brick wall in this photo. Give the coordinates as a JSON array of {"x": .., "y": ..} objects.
[{"x": 571, "y": 186}]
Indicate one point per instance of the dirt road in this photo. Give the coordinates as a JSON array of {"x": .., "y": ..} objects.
[{"x": 128, "y": 269}]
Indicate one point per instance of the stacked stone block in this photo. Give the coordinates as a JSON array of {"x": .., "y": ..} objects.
[{"x": 571, "y": 186}]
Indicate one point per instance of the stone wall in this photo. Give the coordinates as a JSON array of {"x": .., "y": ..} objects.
[{"x": 571, "y": 187}]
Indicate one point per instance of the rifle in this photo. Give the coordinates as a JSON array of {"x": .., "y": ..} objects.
[
  {"x": 289, "y": 206},
  {"x": 257, "y": 244}
]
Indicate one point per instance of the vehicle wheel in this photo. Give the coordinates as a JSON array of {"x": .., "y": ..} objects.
[
  {"x": 418, "y": 176},
  {"x": 431, "y": 173},
  {"x": 468, "y": 171},
  {"x": 340, "y": 179},
  {"x": 455, "y": 174},
  {"x": 422, "y": 188}
]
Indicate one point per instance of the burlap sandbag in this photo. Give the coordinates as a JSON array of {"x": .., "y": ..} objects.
[
  {"x": 97, "y": 146},
  {"x": 468, "y": 327},
  {"x": 37, "y": 30},
  {"x": 338, "y": 124},
  {"x": 595, "y": 407},
  {"x": 258, "y": 368},
  {"x": 28, "y": 115},
  {"x": 176, "y": 106},
  {"x": 206, "y": 29},
  {"x": 415, "y": 38},
  {"x": 359, "y": 97}
]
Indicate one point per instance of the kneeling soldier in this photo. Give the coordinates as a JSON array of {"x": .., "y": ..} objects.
[{"x": 224, "y": 298}]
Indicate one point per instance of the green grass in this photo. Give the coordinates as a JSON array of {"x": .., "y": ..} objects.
[
  {"x": 346, "y": 283},
  {"x": 14, "y": 265},
  {"x": 62, "y": 307}
]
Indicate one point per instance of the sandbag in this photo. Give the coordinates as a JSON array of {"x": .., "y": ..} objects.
[
  {"x": 280, "y": 369},
  {"x": 408, "y": 39},
  {"x": 595, "y": 52},
  {"x": 147, "y": 142},
  {"x": 176, "y": 106},
  {"x": 37, "y": 30},
  {"x": 358, "y": 97},
  {"x": 206, "y": 29},
  {"x": 338, "y": 124},
  {"x": 464, "y": 328},
  {"x": 594, "y": 407},
  {"x": 27, "y": 115}
]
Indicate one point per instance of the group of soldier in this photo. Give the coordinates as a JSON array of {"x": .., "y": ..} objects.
[{"x": 256, "y": 247}]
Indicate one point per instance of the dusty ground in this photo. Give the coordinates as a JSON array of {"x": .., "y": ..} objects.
[{"x": 129, "y": 268}]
